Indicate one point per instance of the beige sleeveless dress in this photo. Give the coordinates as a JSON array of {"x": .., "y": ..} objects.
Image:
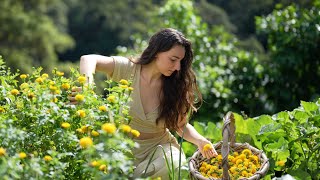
[{"x": 146, "y": 123}]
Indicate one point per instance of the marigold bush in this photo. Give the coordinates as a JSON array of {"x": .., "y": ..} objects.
[{"x": 43, "y": 135}]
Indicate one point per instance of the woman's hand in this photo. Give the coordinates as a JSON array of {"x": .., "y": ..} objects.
[
  {"x": 206, "y": 149},
  {"x": 75, "y": 91}
]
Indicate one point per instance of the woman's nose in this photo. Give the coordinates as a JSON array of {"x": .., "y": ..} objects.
[{"x": 178, "y": 66}]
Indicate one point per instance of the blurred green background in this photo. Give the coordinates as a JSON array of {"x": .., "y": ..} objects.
[{"x": 252, "y": 57}]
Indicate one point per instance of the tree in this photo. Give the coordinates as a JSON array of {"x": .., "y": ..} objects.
[
  {"x": 28, "y": 36},
  {"x": 293, "y": 45}
]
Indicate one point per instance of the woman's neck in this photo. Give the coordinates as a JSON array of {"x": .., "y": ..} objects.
[{"x": 150, "y": 74}]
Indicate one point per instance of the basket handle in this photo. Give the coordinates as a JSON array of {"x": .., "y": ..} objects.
[{"x": 228, "y": 134}]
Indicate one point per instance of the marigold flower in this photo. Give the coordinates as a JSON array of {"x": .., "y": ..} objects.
[
  {"x": 65, "y": 86},
  {"x": 103, "y": 167},
  {"x": 123, "y": 86},
  {"x": 14, "y": 92},
  {"x": 59, "y": 73},
  {"x": 2, "y": 109},
  {"x": 246, "y": 152},
  {"x": 94, "y": 163},
  {"x": 79, "y": 130},
  {"x": 31, "y": 95},
  {"x": 23, "y": 76},
  {"x": 79, "y": 97},
  {"x": 65, "y": 125},
  {"x": 82, "y": 79},
  {"x": 125, "y": 128},
  {"x": 45, "y": 76},
  {"x": 39, "y": 80},
  {"x": 52, "y": 83},
  {"x": 103, "y": 108},
  {"x": 207, "y": 147},
  {"x": 130, "y": 88},
  {"x": 54, "y": 100},
  {"x": 53, "y": 87},
  {"x": 111, "y": 99},
  {"x": 81, "y": 113},
  {"x": 24, "y": 86},
  {"x": 124, "y": 82},
  {"x": 280, "y": 163},
  {"x": 22, "y": 155},
  {"x": 135, "y": 133},
  {"x": 85, "y": 142},
  {"x": 2, "y": 151},
  {"x": 95, "y": 133},
  {"x": 109, "y": 128},
  {"x": 47, "y": 158}
]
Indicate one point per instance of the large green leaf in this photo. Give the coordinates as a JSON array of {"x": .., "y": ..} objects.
[
  {"x": 309, "y": 106},
  {"x": 279, "y": 149}
]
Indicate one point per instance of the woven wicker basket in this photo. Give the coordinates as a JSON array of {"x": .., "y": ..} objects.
[{"x": 223, "y": 147}]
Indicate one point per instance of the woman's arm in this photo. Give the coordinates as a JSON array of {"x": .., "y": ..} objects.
[
  {"x": 190, "y": 134},
  {"x": 89, "y": 64}
]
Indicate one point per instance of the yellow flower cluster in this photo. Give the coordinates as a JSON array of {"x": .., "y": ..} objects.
[
  {"x": 242, "y": 165},
  {"x": 109, "y": 128}
]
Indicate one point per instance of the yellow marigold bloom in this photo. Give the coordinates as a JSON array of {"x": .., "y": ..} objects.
[
  {"x": 244, "y": 173},
  {"x": 219, "y": 157},
  {"x": 85, "y": 142},
  {"x": 130, "y": 88},
  {"x": 95, "y": 133},
  {"x": 239, "y": 161},
  {"x": 109, "y": 128},
  {"x": 22, "y": 155},
  {"x": 79, "y": 130},
  {"x": 94, "y": 164},
  {"x": 45, "y": 76},
  {"x": 202, "y": 169},
  {"x": 123, "y": 86},
  {"x": 24, "y": 86},
  {"x": 124, "y": 82},
  {"x": 233, "y": 169},
  {"x": 103, "y": 108},
  {"x": 14, "y": 92},
  {"x": 84, "y": 128},
  {"x": 207, "y": 147},
  {"x": 53, "y": 87},
  {"x": 103, "y": 167},
  {"x": 135, "y": 133},
  {"x": 280, "y": 163},
  {"x": 125, "y": 128},
  {"x": 57, "y": 91},
  {"x": 111, "y": 99},
  {"x": 65, "y": 86},
  {"x": 54, "y": 100},
  {"x": 52, "y": 83},
  {"x": 47, "y": 158},
  {"x": 242, "y": 156},
  {"x": 81, "y": 113},
  {"x": 39, "y": 80},
  {"x": 82, "y": 79},
  {"x": 59, "y": 73},
  {"x": 65, "y": 125},
  {"x": 247, "y": 152},
  {"x": 2, "y": 151},
  {"x": 31, "y": 95},
  {"x": 23, "y": 76},
  {"x": 2, "y": 109},
  {"x": 79, "y": 97}
]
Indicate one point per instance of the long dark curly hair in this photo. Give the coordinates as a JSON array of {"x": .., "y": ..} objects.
[{"x": 180, "y": 91}]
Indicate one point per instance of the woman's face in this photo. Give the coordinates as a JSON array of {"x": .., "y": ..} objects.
[{"x": 170, "y": 61}]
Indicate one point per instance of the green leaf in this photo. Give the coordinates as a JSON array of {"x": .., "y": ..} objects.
[
  {"x": 279, "y": 149},
  {"x": 213, "y": 132},
  {"x": 309, "y": 106},
  {"x": 299, "y": 174}
]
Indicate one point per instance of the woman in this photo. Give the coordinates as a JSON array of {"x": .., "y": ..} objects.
[{"x": 164, "y": 92}]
